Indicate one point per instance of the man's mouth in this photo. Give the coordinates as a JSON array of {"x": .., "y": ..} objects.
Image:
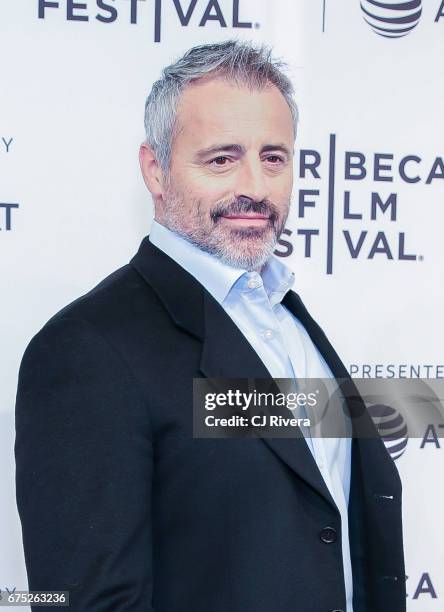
[
  {"x": 246, "y": 216},
  {"x": 247, "y": 219}
]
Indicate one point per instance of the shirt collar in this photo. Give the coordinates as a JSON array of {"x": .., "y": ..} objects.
[
  {"x": 278, "y": 279},
  {"x": 218, "y": 278}
]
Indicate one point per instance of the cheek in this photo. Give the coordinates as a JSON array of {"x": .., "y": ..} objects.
[
  {"x": 281, "y": 197},
  {"x": 206, "y": 189},
  {"x": 282, "y": 190},
  {"x": 211, "y": 186}
]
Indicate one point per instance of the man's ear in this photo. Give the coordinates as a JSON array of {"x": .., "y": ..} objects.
[{"x": 151, "y": 171}]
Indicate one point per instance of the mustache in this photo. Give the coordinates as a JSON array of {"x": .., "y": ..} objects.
[{"x": 245, "y": 205}]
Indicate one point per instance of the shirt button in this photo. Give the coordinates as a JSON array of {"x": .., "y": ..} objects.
[
  {"x": 320, "y": 465},
  {"x": 268, "y": 334},
  {"x": 328, "y": 535},
  {"x": 253, "y": 283}
]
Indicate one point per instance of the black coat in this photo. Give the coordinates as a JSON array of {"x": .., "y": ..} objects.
[{"x": 122, "y": 507}]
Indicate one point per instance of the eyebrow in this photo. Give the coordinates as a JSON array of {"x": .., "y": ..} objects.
[
  {"x": 239, "y": 150},
  {"x": 277, "y": 147}
]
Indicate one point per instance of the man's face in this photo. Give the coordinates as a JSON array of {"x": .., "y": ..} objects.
[{"x": 231, "y": 172}]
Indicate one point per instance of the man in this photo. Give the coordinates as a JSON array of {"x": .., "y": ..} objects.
[{"x": 119, "y": 504}]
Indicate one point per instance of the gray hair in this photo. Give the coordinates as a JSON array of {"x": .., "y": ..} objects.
[{"x": 234, "y": 60}]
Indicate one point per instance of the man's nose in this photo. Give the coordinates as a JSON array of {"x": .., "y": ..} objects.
[{"x": 250, "y": 181}]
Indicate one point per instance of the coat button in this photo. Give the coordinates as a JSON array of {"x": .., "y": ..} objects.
[{"x": 329, "y": 535}]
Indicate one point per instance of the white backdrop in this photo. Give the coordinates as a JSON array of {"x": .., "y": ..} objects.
[{"x": 73, "y": 88}]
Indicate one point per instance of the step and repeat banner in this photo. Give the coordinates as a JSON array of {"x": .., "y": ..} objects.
[{"x": 364, "y": 235}]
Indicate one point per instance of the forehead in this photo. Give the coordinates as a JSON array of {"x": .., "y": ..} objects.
[{"x": 215, "y": 109}]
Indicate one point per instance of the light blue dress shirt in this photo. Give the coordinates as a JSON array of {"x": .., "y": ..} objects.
[{"x": 253, "y": 301}]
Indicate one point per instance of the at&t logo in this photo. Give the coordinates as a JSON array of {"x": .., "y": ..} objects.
[
  {"x": 391, "y": 427},
  {"x": 392, "y": 18}
]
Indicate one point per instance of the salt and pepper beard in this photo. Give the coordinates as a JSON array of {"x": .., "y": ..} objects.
[{"x": 247, "y": 247}]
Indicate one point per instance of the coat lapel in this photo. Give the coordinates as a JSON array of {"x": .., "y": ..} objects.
[
  {"x": 226, "y": 353},
  {"x": 179, "y": 292},
  {"x": 373, "y": 465}
]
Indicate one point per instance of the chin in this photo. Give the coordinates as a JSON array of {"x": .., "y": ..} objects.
[{"x": 248, "y": 256}]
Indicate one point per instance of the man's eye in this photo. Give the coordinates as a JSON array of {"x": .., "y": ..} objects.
[
  {"x": 274, "y": 159},
  {"x": 219, "y": 161}
]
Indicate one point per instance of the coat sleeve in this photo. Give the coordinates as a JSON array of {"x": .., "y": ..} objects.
[{"x": 83, "y": 453}]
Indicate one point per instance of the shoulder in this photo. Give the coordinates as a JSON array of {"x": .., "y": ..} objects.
[
  {"x": 112, "y": 310},
  {"x": 118, "y": 295}
]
